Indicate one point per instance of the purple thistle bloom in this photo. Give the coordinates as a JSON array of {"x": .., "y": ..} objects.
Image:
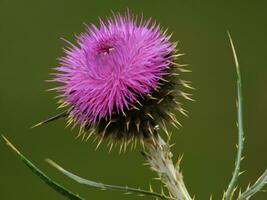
[{"x": 110, "y": 76}]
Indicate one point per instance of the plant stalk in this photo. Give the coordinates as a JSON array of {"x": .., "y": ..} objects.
[{"x": 159, "y": 157}]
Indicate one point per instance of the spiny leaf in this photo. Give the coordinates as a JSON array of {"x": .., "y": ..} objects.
[
  {"x": 231, "y": 188},
  {"x": 256, "y": 187},
  {"x": 125, "y": 189},
  {"x": 54, "y": 185}
]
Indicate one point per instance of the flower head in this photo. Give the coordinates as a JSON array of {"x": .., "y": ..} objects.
[{"x": 120, "y": 79}]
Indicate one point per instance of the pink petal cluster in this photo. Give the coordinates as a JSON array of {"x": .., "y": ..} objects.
[{"x": 111, "y": 66}]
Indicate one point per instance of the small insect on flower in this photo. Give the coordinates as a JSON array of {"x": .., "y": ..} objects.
[{"x": 121, "y": 79}]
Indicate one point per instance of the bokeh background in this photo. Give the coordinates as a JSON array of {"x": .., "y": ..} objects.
[{"x": 30, "y": 33}]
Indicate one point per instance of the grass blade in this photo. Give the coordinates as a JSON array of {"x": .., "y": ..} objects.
[{"x": 54, "y": 185}]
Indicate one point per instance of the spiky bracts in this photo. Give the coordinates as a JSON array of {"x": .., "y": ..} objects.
[{"x": 121, "y": 80}]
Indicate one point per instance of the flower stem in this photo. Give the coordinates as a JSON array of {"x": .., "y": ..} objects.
[{"x": 159, "y": 157}]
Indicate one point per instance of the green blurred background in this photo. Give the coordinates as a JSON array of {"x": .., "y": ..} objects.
[{"x": 30, "y": 42}]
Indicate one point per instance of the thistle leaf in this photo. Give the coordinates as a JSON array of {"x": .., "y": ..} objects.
[
  {"x": 54, "y": 185},
  {"x": 256, "y": 187},
  {"x": 102, "y": 186},
  {"x": 232, "y": 185}
]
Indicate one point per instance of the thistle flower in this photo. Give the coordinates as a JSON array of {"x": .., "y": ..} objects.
[{"x": 121, "y": 79}]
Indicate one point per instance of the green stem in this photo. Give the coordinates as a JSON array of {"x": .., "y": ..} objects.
[{"x": 159, "y": 157}]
